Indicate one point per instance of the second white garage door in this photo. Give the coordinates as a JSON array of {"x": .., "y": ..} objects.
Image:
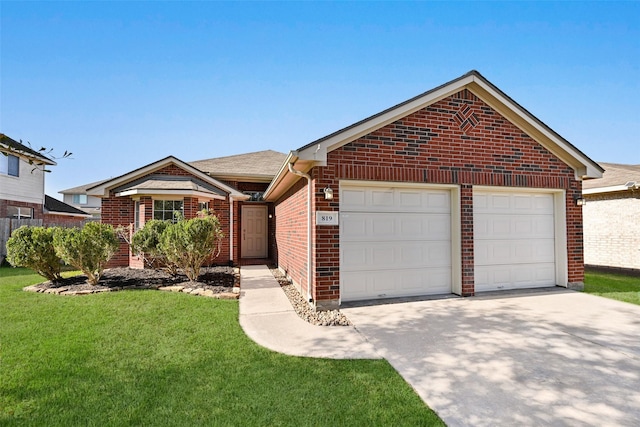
[
  {"x": 514, "y": 240},
  {"x": 394, "y": 241}
]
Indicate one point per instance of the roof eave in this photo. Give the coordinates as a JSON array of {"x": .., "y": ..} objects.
[
  {"x": 242, "y": 177},
  {"x": 37, "y": 159},
  {"x": 284, "y": 179},
  {"x": 139, "y": 192},
  {"x": 48, "y": 212}
]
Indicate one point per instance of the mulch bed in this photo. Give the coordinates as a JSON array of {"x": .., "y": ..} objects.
[{"x": 214, "y": 279}]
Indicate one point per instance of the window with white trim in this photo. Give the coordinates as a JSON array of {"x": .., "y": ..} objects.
[
  {"x": 136, "y": 216},
  {"x": 165, "y": 209},
  {"x": 80, "y": 199},
  {"x": 9, "y": 165},
  {"x": 19, "y": 212}
]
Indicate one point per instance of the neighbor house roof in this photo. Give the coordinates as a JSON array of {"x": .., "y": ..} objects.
[
  {"x": 262, "y": 165},
  {"x": 102, "y": 189},
  {"x": 616, "y": 177},
  {"x": 56, "y": 207},
  {"x": 315, "y": 153},
  {"x": 82, "y": 189},
  {"x": 10, "y": 145}
]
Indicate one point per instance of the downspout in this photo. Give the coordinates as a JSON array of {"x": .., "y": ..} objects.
[{"x": 309, "y": 228}]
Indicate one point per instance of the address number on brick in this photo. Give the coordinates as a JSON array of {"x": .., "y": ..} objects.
[{"x": 326, "y": 218}]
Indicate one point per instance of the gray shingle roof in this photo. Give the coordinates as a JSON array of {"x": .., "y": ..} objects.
[
  {"x": 614, "y": 174},
  {"x": 81, "y": 189},
  {"x": 258, "y": 164},
  {"x": 55, "y": 205}
]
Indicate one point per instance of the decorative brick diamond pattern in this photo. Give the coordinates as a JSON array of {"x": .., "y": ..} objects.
[{"x": 466, "y": 118}]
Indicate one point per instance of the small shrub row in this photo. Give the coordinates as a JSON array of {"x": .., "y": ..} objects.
[
  {"x": 44, "y": 249},
  {"x": 185, "y": 245}
]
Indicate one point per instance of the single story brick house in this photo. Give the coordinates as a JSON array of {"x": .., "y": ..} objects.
[
  {"x": 612, "y": 218},
  {"x": 457, "y": 190}
]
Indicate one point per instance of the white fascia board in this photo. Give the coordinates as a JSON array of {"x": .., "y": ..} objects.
[
  {"x": 567, "y": 153},
  {"x": 292, "y": 157},
  {"x": 181, "y": 193},
  {"x": 68, "y": 214},
  {"x": 318, "y": 152},
  {"x": 610, "y": 189}
]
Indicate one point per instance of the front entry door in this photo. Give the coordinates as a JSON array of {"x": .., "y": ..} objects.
[{"x": 254, "y": 231}]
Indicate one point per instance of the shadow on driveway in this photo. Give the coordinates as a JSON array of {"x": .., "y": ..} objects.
[{"x": 535, "y": 358}]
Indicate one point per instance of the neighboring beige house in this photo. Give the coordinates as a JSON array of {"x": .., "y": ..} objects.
[
  {"x": 78, "y": 198},
  {"x": 22, "y": 197},
  {"x": 612, "y": 218}
]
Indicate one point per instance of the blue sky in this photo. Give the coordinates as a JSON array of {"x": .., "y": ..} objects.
[{"x": 123, "y": 84}]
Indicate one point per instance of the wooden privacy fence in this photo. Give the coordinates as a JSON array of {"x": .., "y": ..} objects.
[{"x": 7, "y": 225}]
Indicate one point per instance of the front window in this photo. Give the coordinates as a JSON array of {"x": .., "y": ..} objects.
[
  {"x": 9, "y": 165},
  {"x": 165, "y": 209},
  {"x": 203, "y": 206},
  {"x": 80, "y": 199},
  {"x": 136, "y": 217},
  {"x": 18, "y": 212}
]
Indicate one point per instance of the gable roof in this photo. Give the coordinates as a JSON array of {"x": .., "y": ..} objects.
[
  {"x": 259, "y": 165},
  {"x": 167, "y": 184},
  {"x": 56, "y": 207},
  {"x": 9, "y": 145},
  {"x": 102, "y": 189},
  {"x": 315, "y": 153},
  {"x": 616, "y": 177}
]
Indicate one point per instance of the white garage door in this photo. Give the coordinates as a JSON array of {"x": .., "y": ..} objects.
[
  {"x": 514, "y": 241},
  {"x": 394, "y": 242}
]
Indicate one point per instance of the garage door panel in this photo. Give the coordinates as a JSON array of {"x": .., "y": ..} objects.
[
  {"x": 395, "y": 283},
  {"x": 384, "y": 255},
  {"x": 509, "y": 203},
  {"x": 503, "y": 277},
  {"x": 514, "y": 240},
  {"x": 401, "y": 200},
  {"x": 492, "y": 226},
  {"x": 367, "y": 227},
  {"x": 514, "y": 251}
]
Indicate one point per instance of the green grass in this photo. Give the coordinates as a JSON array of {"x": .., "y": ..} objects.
[
  {"x": 615, "y": 286},
  {"x": 169, "y": 359}
]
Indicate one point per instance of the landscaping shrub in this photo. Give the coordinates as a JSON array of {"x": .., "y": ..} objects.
[
  {"x": 146, "y": 243},
  {"x": 32, "y": 247},
  {"x": 87, "y": 249},
  {"x": 190, "y": 243}
]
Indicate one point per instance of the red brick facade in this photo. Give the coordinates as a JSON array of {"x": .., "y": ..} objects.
[
  {"x": 37, "y": 208},
  {"x": 458, "y": 140},
  {"x": 291, "y": 216}
]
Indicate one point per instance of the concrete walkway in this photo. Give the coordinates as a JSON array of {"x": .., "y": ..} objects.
[{"x": 267, "y": 317}]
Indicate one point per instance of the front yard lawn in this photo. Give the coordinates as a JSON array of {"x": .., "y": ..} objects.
[
  {"x": 615, "y": 286},
  {"x": 169, "y": 359}
]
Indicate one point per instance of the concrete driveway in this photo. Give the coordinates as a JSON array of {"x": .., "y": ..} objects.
[{"x": 555, "y": 357}]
